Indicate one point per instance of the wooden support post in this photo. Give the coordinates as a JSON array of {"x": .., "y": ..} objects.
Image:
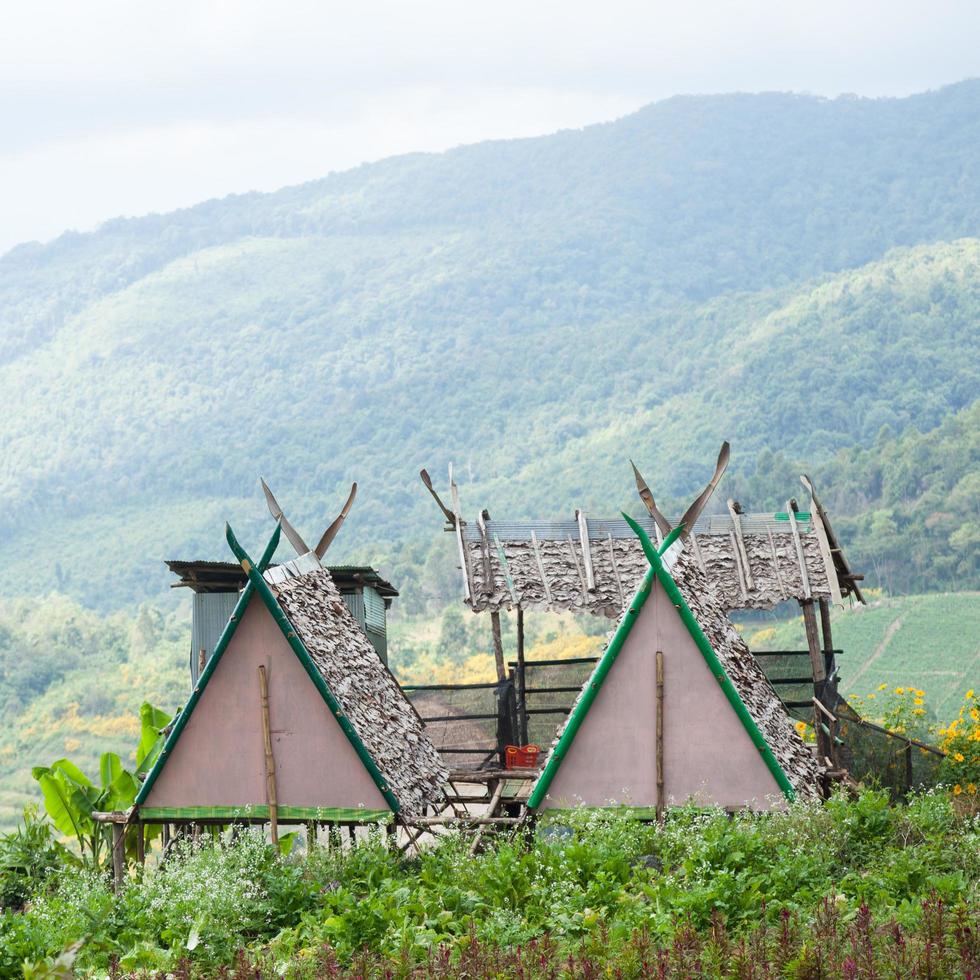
[
  {"x": 141, "y": 844},
  {"x": 310, "y": 837},
  {"x": 521, "y": 680},
  {"x": 498, "y": 644},
  {"x": 828, "y": 642},
  {"x": 202, "y": 659},
  {"x": 660, "y": 735},
  {"x": 813, "y": 641},
  {"x": 270, "y": 762},
  {"x": 118, "y": 855}
]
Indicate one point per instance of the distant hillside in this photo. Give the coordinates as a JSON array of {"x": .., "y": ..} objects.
[
  {"x": 796, "y": 274},
  {"x": 930, "y": 642}
]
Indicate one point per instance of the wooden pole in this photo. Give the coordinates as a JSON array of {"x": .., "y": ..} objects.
[
  {"x": 660, "y": 735},
  {"x": 270, "y": 762},
  {"x": 498, "y": 644},
  {"x": 813, "y": 641},
  {"x": 521, "y": 679},
  {"x": 118, "y": 855},
  {"x": 828, "y": 643},
  {"x": 202, "y": 659},
  {"x": 141, "y": 844}
]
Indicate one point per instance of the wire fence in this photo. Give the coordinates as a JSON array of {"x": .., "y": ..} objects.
[{"x": 471, "y": 725}]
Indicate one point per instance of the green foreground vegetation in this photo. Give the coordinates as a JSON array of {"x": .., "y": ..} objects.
[{"x": 853, "y": 888}]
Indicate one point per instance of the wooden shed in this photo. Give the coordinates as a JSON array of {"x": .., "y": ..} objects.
[
  {"x": 676, "y": 709},
  {"x": 294, "y": 717}
]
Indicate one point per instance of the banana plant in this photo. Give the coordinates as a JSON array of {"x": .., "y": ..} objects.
[{"x": 71, "y": 797}]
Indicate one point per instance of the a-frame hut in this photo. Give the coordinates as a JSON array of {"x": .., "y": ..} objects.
[
  {"x": 676, "y": 709},
  {"x": 294, "y": 718}
]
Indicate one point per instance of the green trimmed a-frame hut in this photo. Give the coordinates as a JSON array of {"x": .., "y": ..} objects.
[
  {"x": 676, "y": 709},
  {"x": 294, "y": 718}
]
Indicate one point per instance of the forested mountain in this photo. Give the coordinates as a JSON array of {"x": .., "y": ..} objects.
[{"x": 796, "y": 274}]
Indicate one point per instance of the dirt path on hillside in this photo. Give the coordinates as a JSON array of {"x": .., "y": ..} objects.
[{"x": 890, "y": 631}]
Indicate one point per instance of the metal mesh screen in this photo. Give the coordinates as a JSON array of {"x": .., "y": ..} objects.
[
  {"x": 550, "y": 689},
  {"x": 462, "y": 721}
]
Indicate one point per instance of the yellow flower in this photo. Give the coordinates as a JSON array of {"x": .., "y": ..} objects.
[
  {"x": 975, "y": 714},
  {"x": 870, "y": 696},
  {"x": 957, "y": 789},
  {"x": 881, "y": 687},
  {"x": 801, "y": 727},
  {"x": 918, "y": 701},
  {"x": 969, "y": 693},
  {"x": 958, "y": 756},
  {"x": 920, "y": 694},
  {"x": 899, "y": 690},
  {"x": 971, "y": 788},
  {"x": 918, "y": 712}
]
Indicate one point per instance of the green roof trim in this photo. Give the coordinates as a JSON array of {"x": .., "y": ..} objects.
[
  {"x": 261, "y": 587},
  {"x": 658, "y": 570},
  {"x": 209, "y": 668},
  {"x": 328, "y": 814}
]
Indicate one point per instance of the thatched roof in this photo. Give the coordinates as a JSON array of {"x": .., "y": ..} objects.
[
  {"x": 590, "y": 565},
  {"x": 368, "y": 694}
]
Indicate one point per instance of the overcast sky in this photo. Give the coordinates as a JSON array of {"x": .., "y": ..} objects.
[{"x": 111, "y": 107}]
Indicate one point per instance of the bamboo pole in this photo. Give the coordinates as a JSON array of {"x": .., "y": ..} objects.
[
  {"x": 660, "y": 735},
  {"x": 270, "y": 762}
]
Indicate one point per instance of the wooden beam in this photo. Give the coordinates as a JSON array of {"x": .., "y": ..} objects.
[
  {"x": 491, "y": 812},
  {"x": 775, "y": 565},
  {"x": 738, "y": 566},
  {"x": 270, "y": 761},
  {"x": 693, "y": 538},
  {"x": 464, "y": 562},
  {"x": 541, "y": 572},
  {"x": 740, "y": 539},
  {"x": 488, "y": 583},
  {"x": 799, "y": 549},
  {"x": 661, "y": 801},
  {"x": 578, "y": 567},
  {"x": 615, "y": 568},
  {"x": 583, "y": 536}
]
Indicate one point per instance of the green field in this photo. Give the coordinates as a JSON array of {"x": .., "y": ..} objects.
[{"x": 930, "y": 642}]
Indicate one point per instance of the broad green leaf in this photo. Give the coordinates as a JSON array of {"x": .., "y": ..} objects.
[
  {"x": 59, "y": 805},
  {"x": 122, "y": 791},
  {"x": 72, "y": 772},
  {"x": 110, "y": 768},
  {"x": 152, "y": 722}
]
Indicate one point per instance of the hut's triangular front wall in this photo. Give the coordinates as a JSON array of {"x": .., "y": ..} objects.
[
  {"x": 217, "y": 764},
  {"x": 708, "y": 754}
]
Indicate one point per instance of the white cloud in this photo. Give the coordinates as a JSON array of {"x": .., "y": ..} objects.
[{"x": 118, "y": 107}]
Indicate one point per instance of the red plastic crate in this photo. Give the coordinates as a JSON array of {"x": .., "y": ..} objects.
[{"x": 522, "y": 756}]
